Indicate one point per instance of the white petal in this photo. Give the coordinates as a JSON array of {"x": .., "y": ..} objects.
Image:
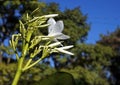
[
  {"x": 55, "y": 34},
  {"x": 57, "y": 28},
  {"x": 50, "y": 15},
  {"x": 64, "y": 51},
  {"x": 51, "y": 23},
  {"x": 66, "y": 47},
  {"x": 55, "y": 44},
  {"x": 63, "y": 37}
]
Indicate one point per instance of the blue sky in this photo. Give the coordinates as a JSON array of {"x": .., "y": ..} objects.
[{"x": 103, "y": 15}]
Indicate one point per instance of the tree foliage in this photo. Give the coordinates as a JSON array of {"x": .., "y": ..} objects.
[{"x": 113, "y": 40}]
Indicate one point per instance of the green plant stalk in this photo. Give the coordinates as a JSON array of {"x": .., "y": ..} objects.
[
  {"x": 19, "y": 71},
  {"x": 21, "y": 60},
  {"x": 20, "y": 64}
]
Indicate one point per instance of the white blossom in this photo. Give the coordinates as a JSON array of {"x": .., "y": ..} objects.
[{"x": 55, "y": 29}]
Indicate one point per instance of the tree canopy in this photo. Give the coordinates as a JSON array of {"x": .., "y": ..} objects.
[{"x": 113, "y": 40}]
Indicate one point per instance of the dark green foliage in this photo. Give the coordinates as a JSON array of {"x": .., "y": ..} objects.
[
  {"x": 7, "y": 72},
  {"x": 113, "y": 40},
  {"x": 8, "y": 19},
  {"x": 59, "y": 78},
  {"x": 84, "y": 76},
  {"x": 35, "y": 74},
  {"x": 94, "y": 55}
]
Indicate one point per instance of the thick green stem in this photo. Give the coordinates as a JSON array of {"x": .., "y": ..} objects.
[
  {"x": 21, "y": 60},
  {"x": 19, "y": 71},
  {"x": 20, "y": 63}
]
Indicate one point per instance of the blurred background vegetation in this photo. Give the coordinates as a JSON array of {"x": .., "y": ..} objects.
[{"x": 92, "y": 64}]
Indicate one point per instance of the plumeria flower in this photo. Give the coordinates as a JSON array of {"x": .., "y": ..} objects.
[
  {"x": 55, "y": 29},
  {"x": 63, "y": 49}
]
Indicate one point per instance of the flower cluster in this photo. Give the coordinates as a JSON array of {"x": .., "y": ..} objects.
[
  {"x": 34, "y": 42},
  {"x": 55, "y": 31}
]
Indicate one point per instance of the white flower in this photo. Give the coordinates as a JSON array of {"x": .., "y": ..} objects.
[
  {"x": 63, "y": 49},
  {"x": 55, "y": 29}
]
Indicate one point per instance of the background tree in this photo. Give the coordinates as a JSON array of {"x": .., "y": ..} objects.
[{"x": 113, "y": 40}]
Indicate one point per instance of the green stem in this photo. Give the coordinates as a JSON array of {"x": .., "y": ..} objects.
[
  {"x": 17, "y": 57},
  {"x": 20, "y": 63},
  {"x": 19, "y": 71},
  {"x": 45, "y": 53},
  {"x": 28, "y": 63},
  {"x": 21, "y": 60},
  {"x": 32, "y": 64}
]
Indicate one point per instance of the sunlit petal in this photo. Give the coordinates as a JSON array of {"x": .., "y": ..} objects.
[
  {"x": 50, "y": 15},
  {"x": 54, "y": 44},
  {"x": 66, "y": 47},
  {"x": 64, "y": 51}
]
